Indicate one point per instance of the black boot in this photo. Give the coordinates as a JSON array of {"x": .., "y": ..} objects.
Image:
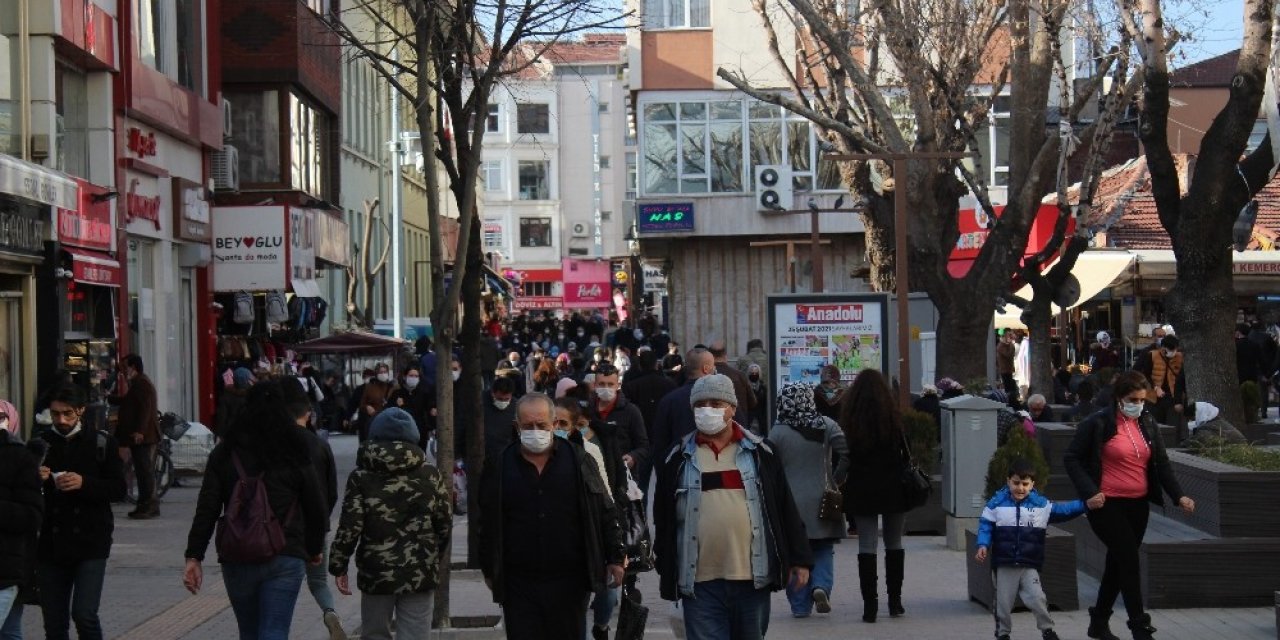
[
  {"x": 869, "y": 582},
  {"x": 893, "y": 570},
  {"x": 1100, "y": 625},
  {"x": 1141, "y": 628}
]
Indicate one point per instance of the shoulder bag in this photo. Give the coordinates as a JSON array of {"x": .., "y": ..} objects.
[
  {"x": 916, "y": 485},
  {"x": 831, "y": 507}
]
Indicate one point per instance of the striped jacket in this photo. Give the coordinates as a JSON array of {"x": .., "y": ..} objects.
[{"x": 1014, "y": 531}]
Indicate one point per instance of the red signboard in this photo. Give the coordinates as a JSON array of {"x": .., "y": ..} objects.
[
  {"x": 141, "y": 207},
  {"x": 91, "y": 267},
  {"x": 142, "y": 143},
  {"x": 586, "y": 284},
  {"x": 88, "y": 226},
  {"x": 538, "y": 275},
  {"x": 828, "y": 313},
  {"x": 538, "y": 303},
  {"x": 975, "y": 225}
]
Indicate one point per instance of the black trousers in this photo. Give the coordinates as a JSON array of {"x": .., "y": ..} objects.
[
  {"x": 1120, "y": 524},
  {"x": 144, "y": 473},
  {"x": 545, "y": 609}
]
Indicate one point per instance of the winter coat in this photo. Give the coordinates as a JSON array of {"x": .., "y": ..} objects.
[
  {"x": 293, "y": 492},
  {"x": 1014, "y": 532},
  {"x": 645, "y": 391},
  {"x": 396, "y": 519},
  {"x": 621, "y": 433},
  {"x": 807, "y": 465},
  {"x": 672, "y": 421},
  {"x": 326, "y": 469},
  {"x": 138, "y": 412},
  {"x": 1083, "y": 457},
  {"x": 747, "y": 400},
  {"x": 230, "y": 404},
  {"x": 602, "y": 542},
  {"x": 21, "y": 509},
  {"x": 755, "y": 356},
  {"x": 78, "y": 524},
  {"x": 875, "y": 479},
  {"x": 784, "y": 532}
]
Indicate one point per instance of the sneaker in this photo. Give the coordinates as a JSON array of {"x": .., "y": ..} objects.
[
  {"x": 821, "y": 603},
  {"x": 334, "y": 624},
  {"x": 1049, "y": 634},
  {"x": 1003, "y": 636},
  {"x": 599, "y": 633}
]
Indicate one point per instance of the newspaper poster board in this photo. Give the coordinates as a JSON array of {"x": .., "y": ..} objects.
[{"x": 808, "y": 332}]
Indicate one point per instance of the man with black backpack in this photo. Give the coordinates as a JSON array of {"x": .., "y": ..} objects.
[{"x": 82, "y": 475}]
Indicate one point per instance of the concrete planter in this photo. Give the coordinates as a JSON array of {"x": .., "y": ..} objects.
[{"x": 1058, "y": 577}]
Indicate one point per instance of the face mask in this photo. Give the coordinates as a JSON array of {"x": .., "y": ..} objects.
[
  {"x": 1132, "y": 410},
  {"x": 411, "y": 382},
  {"x": 639, "y": 335},
  {"x": 598, "y": 357},
  {"x": 384, "y": 377},
  {"x": 828, "y": 392},
  {"x": 580, "y": 334},
  {"x": 560, "y": 336},
  {"x": 456, "y": 375},
  {"x": 535, "y": 440},
  {"x": 502, "y": 404},
  {"x": 606, "y": 394},
  {"x": 561, "y": 433},
  {"x": 1168, "y": 353},
  {"x": 710, "y": 420}
]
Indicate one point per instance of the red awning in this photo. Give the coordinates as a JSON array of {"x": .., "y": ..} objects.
[{"x": 94, "y": 267}]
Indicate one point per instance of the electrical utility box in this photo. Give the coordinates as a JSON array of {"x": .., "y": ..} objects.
[{"x": 968, "y": 441}]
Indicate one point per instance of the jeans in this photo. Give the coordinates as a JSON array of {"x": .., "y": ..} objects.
[
  {"x": 8, "y": 597},
  {"x": 263, "y": 596},
  {"x": 894, "y": 524},
  {"x": 144, "y": 473},
  {"x": 413, "y": 613},
  {"x": 603, "y": 604},
  {"x": 12, "y": 627},
  {"x": 726, "y": 610},
  {"x": 318, "y": 583},
  {"x": 822, "y": 576},
  {"x": 1120, "y": 524},
  {"x": 71, "y": 593}
]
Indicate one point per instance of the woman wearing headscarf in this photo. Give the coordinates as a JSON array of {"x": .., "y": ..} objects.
[{"x": 801, "y": 437}]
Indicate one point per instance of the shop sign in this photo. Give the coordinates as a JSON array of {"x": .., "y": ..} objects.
[
  {"x": 586, "y": 284},
  {"x": 1256, "y": 268},
  {"x": 190, "y": 211},
  {"x": 88, "y": 225},
  {"x": 141, "y": 206},
  {"x": 33, "y": 182},
  {"x": 141, "y": 143},
  {"x": 333, "y": 239},
  {"x": 248, "y": 248},
  {"x": 302, "y": 245},
  {"x": 661, "y": 218},
  {"x": 21, "y": 228},
  {"x": 538, "y": 303},
  {"x": 538, "y": 275},
  {"x": 655, "y": 277}
]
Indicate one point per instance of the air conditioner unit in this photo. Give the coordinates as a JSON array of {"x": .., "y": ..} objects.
[
  {"x": 224, "y": 169},
  {"x": 581, "y": 230},
  {"x": 773, "y": 187},
  {"x": 226, "y": 118}
]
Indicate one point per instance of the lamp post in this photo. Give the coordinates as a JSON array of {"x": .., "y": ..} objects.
[{"x": 636, "y": 281}]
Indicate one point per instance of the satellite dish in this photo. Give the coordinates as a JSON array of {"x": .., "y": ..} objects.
[{"x": 1068, "y": 292}]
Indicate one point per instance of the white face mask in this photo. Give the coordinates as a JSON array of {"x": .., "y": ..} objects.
[
  {"x": 502, "y": 404},
  {"x": 1131, "y": 409},
  {"x": 639, "y": 335},
  {"x": 456, "y": 375},
  {"x": 384, "y": 377},
  {"x": 411, "y": 382},
  {"x": 1168, "y": 353},
  {"x": 536, "y": 440},
  {"x": 710, "y": 420},
  {"x": 606, "y": 394}
]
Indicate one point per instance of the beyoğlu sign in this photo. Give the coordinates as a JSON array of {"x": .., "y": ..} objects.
[
  {"x": 661, "y": 218},
  {"x": 249, "y": 248},
  {"x": 21, "y": 228}
]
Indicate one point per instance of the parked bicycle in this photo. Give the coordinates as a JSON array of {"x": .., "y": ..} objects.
[{"x": 172, "y": 426}]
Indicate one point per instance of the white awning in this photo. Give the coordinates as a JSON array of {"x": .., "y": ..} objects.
[
  {"x": 1096, "y": 270},
  {"x": 35, "y": 182},
  {"x": 306, "y": 288}
]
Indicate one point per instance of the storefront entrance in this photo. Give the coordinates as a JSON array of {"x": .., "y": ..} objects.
[{"x": 11, "y": 346}]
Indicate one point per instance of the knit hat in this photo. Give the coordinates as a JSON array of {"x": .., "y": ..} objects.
[
  {"x": 713, "y": 387},
  {"x": 393, "y": 425},
  {"x": 564, "y": 387},
  {"x": 242, "y": 377}
]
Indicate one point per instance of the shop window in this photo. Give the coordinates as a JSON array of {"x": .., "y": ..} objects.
[
  {"x": 538, "y": 289},
  {"x": 308, "y": 130},
  {"x": 535, "y": 232},
  {"x": 256, "y": 135},
  {"x": 534, "y": 180},
  {"x": 677, "y": 14},
  {"x": 72, "y": 121},
  {"x": 533, "y": 118}
]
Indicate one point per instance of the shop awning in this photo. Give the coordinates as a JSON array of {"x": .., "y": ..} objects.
[
  {"x": 352, "y": 343},
  {"x": 94, "y": 267},
  {"x": 496, "y": 282},
  {"x": 306, "y": 288},
  {"x": 35, "y": 182},
  {"x": 1095, "y": 270}
]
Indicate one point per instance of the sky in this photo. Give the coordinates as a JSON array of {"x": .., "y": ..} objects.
[{"x": 1215, "y": 26}]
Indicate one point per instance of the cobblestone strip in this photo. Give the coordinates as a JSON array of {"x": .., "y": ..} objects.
[{"x": 180, "y": 619}]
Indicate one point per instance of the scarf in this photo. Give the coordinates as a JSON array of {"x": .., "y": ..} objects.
[{"x": 797, "y": 409}]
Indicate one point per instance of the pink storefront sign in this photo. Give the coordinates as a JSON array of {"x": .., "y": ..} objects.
[{"x": 586, "y": 284}]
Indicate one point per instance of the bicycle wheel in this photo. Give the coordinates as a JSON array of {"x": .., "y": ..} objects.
[{"x": 164, "y": 474}]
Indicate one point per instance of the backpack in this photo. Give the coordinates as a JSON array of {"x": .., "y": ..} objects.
[
  {"x": 242, "y": 310},
  {"x": 248, "y": 531},
  {"x": 277, "y": 311}
]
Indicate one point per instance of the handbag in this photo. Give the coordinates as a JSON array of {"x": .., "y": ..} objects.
[
  {"x": 831, "y": 506},
  {"x": 632, "y": 616},
  {"x": 916, "y": 485},
  {"x": 639, "y": 545}
]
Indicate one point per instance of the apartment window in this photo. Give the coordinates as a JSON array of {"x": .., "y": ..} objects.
[
  {"x": 492, "y": 120},
  {"x": 492, "y": 234},
  {"x": 189, "y": 57},
  {"x": 606, "y": 216},
  {"x": 604, "y": 162},
  {"x": 535, "y": 232},
  {"x": 256, "y": 135},
  {"x": 308, "y": 131},
  {"x": 491, "y": 173},
  {"x": 150, "y": 29},
  {"x": 72, "y": 121},
  {"x": 535, "y": 180},
  {"x": 677, "y": 14},
  {"x": 993, "y": 144},
  {"x": 603, "y": 107},
  {"x": 633, "y": 176},
  {"x": 10, "y": 97},
  {"x": 539, "y": 289},
  {"x": 533, "y": 118},
  {"x": 319, "y": 6}
]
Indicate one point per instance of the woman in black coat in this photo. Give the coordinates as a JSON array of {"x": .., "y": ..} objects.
[
  {"x": 873, "y": 427},
  {"x": 1117, "y": 463}
]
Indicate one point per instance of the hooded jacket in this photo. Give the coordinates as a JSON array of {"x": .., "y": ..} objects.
[
  {"x": 21, "y": 508},
  {"x": 1015, "y": 531},
  {"x": 1083, "y": 457},
  {"x": 396, "y": 519}
]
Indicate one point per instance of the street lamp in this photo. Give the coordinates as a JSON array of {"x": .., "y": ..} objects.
[{"x": 636, "y": 281}]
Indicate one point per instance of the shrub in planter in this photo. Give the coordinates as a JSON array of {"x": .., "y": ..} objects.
[
  {"x": 1019, "y": 445},
  {"x": 922, "y": 435},
  {"x": 1251, "y": 398}
]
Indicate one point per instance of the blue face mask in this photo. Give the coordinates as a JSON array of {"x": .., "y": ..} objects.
[{"x": 561, "y": 433}]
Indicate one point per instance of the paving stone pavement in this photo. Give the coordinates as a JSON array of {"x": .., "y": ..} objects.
[{"x": 143, "y": 598}]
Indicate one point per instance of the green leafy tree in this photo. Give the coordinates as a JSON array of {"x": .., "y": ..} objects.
[{"x": 1019, "y": 445}]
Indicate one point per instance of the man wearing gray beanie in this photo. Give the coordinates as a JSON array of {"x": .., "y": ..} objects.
[{"x": 710, "y": 555}]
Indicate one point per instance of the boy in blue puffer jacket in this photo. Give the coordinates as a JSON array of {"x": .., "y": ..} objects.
[{"x": 1013, "y": 527}]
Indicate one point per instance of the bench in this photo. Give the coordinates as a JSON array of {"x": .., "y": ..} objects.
[{"x": 1058, "y": 577}]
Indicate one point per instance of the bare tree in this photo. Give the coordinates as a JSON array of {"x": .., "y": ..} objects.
[
  {"x": 1201, "y": 304},
  {"x": 446, "y": 58},
  {"x": 364, "y": 270},
  {"x": 923, "y": 75}
]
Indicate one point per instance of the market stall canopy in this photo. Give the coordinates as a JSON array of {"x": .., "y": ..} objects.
[
  {"x": 352, "y": 343},
  {"x": 1096, "y": 269}
]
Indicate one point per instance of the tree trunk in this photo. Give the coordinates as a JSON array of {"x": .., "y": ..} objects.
[
  {"x": 472, "y": 387},
  {"x": 962, "y": 342},
  {"x": 1038, "y": 316},
  {"x": 1203, "y": 308}
]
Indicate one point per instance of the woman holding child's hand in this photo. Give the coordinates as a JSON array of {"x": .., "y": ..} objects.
[{"x": 1118, "y": 464}]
